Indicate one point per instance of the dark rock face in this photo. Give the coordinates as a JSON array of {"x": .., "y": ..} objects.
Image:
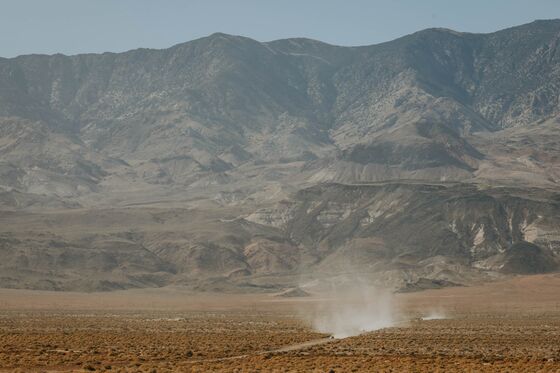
[
  {"x": 425, "y": 284},
  {"x": 456, "y": 135},
  {"x": 527, "y": 258}
]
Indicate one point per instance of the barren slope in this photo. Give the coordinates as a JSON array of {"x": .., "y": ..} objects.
[{"x": 226, "y": 163}]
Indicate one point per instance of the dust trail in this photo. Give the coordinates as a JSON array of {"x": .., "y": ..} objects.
[{"x": 435, "y": 315}]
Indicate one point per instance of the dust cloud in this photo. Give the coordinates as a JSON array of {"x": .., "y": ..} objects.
[{"x": 351, "y": 307}]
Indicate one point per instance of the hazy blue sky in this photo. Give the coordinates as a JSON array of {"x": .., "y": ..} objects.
[{"x": 78, "y": 26}]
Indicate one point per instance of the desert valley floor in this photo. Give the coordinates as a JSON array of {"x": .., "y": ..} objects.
[{"x": 506, "y": 326}]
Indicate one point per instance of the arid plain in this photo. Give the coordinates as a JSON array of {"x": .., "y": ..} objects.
[{"x": 511, "y": 325}]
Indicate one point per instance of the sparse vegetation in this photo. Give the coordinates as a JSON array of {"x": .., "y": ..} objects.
[{"x": 516, "y": 332}]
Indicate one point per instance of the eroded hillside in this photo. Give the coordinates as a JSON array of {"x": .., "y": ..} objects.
[{"x": 225, "y": 163}]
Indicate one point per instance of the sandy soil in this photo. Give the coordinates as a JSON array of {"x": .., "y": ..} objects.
[{"x": 509, "y": 326}]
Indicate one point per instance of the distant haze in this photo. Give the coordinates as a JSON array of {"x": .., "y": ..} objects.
[{"x": 81, "y": 26}]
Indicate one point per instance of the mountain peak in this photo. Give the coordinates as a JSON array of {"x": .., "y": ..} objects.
[{"x": 223, "y": 35}]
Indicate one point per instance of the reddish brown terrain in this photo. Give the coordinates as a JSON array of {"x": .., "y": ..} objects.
[{"x": 511, "y": 326}]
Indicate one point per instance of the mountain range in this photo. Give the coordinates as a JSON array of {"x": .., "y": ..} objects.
[{"x": 229, "y": 164}]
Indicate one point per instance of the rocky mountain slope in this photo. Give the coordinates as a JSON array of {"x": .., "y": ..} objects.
[{"x": 226, "y": 163}]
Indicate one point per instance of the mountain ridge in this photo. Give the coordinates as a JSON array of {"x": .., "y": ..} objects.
[
  {"x": 220, "y": 33},
  {"x": 226, "y": 128}
]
